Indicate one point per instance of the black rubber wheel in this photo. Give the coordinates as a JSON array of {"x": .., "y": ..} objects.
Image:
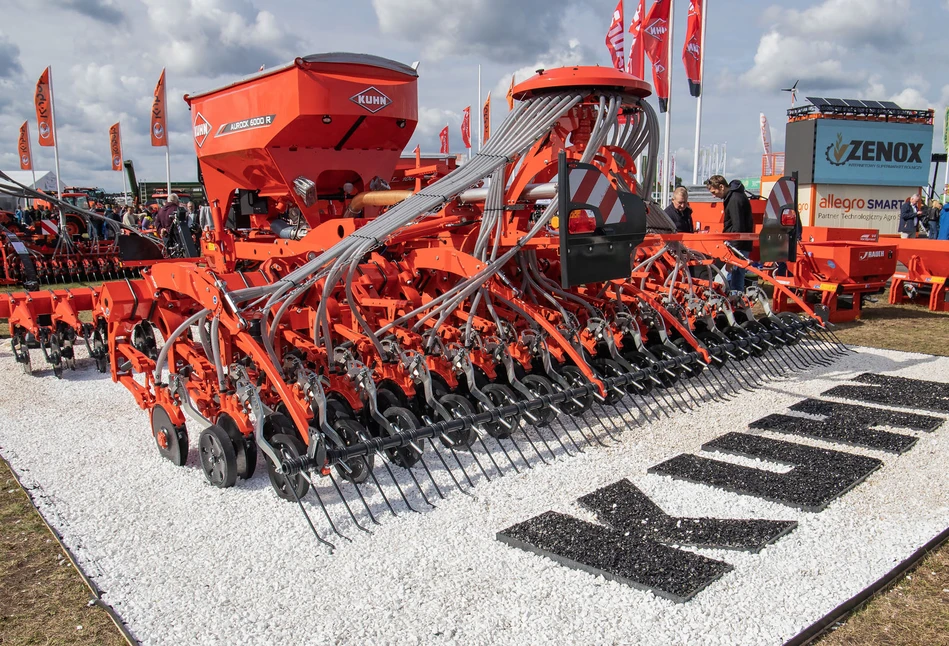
[
  {"x": 218, "y": 458},
  {"x": 245, "y": 448},
  {"x": 352, "y": 432},
  {"x": 500, "y": 395},
  {"x": 710, "y": 339},
  {"x": 287, "y": 447},
  {"x": 574, "y": 378},
  {"x": 336, "y": 409},
  {"x": 458, "y": 407},
  {"x": 100, "y": 347},
  {"x": 402, "y": 420},
  {"x": 539, "y": 386},
  {"x": 791, "y": 336},
  {"x": 639, "y": 361},
  {"x": 172, "y": 440}
]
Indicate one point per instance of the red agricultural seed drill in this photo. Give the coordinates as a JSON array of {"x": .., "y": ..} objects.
[{"x": 378, "y": 345}]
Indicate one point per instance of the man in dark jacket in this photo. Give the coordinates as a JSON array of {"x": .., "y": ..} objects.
[
  {"x": 166, "y": 216},
  {"x": 909, "y": 217},
  {"x": 680, "y": 212},
  {"x": 738, "y": 219}
]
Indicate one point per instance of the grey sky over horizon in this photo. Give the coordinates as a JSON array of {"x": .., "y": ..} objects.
[{"x": 107, "y": 54}]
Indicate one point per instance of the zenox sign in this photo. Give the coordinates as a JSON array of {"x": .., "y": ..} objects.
[{"x": 872, "y": 153}]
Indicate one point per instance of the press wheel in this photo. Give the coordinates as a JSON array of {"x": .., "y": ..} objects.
[
  {"x": 458, "y": 407},
  {"x": 402, "y": 420},
  {"x": 540, "y": 386},
  {"x": 352, "y": 432},
  {"x": 245, "y": 448},
  {"x": 287, "y": 447},
  {"x": 218, "y": 457},
  {"x": 501, "y": 395}
]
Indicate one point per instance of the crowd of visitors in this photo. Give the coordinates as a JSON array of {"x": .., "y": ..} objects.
[{"x": 917, "y": 217}]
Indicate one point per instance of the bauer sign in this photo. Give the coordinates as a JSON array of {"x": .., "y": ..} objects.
[{"x": 872, "y": 154}]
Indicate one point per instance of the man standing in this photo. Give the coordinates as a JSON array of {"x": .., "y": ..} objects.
[
  {"x": 738, "y": 219},
  {"x": 909, "y": 217},
  {"x": 680, "y": 212},
  {"x": 166, "y": 216}
]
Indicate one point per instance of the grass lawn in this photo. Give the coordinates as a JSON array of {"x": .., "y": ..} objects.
[{"x": 44, "y": 601}]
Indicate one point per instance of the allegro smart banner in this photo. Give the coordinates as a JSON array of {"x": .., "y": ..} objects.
[
  {"x": 872, "y": 153},
  {"x": 853, "y": 207}
]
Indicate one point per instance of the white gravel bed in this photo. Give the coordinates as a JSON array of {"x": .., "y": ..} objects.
[{"x": 185, "y": 563}]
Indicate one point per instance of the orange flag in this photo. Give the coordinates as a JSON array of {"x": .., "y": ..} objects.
[
  {"x": 23, "y": 147},
  {"x": 115, "y": 147},
  {"x": 486, "y": 118},
  {"x": 510, "y": 95},
  {"x": 44, "y": 110},
  {"x": 158, "y": 113}
]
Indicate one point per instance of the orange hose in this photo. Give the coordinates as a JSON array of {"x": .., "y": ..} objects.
[{"x": 376, "y": 198}]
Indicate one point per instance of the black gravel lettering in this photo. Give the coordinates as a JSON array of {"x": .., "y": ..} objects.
[
  {"x": 625, "y": 557},
  {"x": 836, "y": 430},
  {"x": 867, "y": 416},
  {"x": 818, "y": 476},
  {"x": 895, "y": 391},
  {"x": 625, "y": 508}
]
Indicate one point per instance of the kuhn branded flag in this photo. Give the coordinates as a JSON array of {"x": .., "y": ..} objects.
[
  {"x": 115, "y": 147},
  {"x": 636, "y": 63},
  {"x": 43, "y": 99},
  {"x": 466, "y": 127},
  {"x": 692, "y": 50},
  {"x": 443, "y": 139},
  {"x": 614, "y": 37},
  {"x": 655, "y": 30},
  {"x": 510, "y": 95},
  {"x": 486, "y": 118},
  {"x": 765, "y": 134},
  {"x": 23, "y": 147},
  {"x": 159, "y": 123}
]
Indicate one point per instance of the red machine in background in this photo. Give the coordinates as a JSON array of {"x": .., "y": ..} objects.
[
  {"x": 927, "y": 270},
  {"x": 457, "y": 321}
]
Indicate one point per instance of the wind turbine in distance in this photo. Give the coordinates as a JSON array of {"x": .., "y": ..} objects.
[{"x": 793, "y": 91}]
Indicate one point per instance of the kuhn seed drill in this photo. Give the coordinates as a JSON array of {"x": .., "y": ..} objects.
[{"x": 377, "y": 344}]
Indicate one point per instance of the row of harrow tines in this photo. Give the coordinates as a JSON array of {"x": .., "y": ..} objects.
[{"x": 449, "y": 340}]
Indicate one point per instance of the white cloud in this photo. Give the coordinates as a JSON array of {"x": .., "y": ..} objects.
[
  {"x": 849, "y": 22},
  {"x": 215, "y": 37},
  {"x": 496, "y": 30},
  {"x": 782, "y": 59}
]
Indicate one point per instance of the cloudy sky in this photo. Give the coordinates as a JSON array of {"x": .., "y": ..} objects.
[{"x": 107, "y": 55}]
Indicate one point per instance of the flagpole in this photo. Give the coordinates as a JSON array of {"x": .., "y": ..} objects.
[
  {"x": 480, "y": 113},
  {"x": 29, "y": 151},
  {"x": 52, "y": 116},
  {"x": 698, "y": 106},
  {"x": 667, "y": 144}
]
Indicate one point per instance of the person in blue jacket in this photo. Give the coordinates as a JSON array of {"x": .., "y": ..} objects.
[{"x": 944, "y": 222}]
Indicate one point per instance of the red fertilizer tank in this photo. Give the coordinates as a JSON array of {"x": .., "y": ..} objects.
[{"x": 308, "y": 131}]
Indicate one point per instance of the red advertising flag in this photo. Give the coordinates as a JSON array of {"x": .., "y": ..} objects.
[
  {"x": 23, "y": 147},
  {"x": 44, "y": 110},
  {"x": 486, "y": 118},
  {"x": 159, "y": 123},
  {"x": 510, "y": 95},
  {"x": 115, "y": 147},
  {"x": 614, "y": 37},
  {"x": 466, "y": 127},
  {"x": 655, "y": 30},
  {"x": 636, "y": 64},
  {"x": 443, "y": 139},
  {"x": 692, "y": 51}
]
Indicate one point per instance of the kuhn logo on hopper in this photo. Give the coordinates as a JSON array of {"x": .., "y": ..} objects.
[
  {"x": 202, "y": 128},
  {"x": 869, "y": 255},
  {"x": 371, "y": 99}
]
